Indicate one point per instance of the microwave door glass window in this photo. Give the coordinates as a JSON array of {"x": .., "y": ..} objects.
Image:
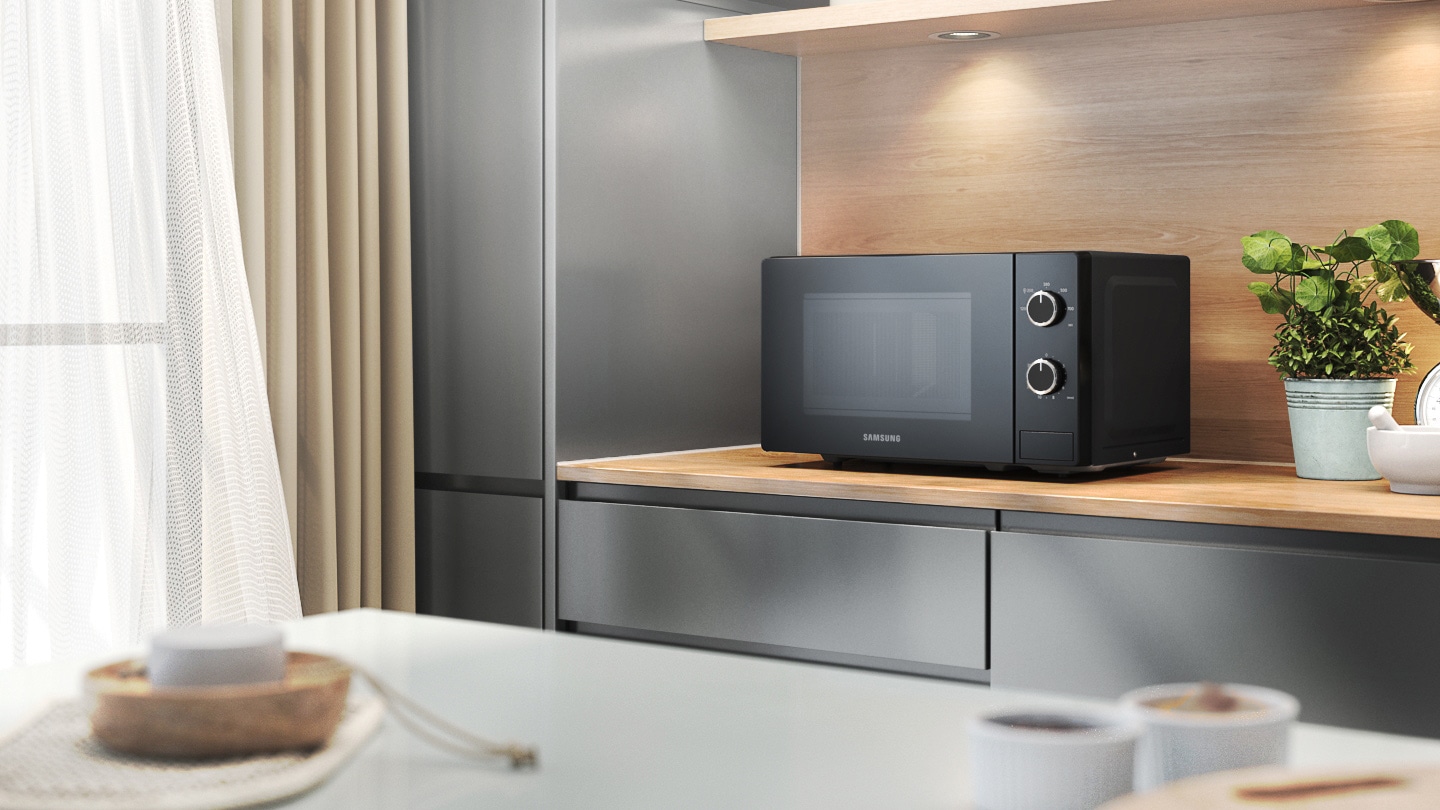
[{"x": 901, "y": 355}]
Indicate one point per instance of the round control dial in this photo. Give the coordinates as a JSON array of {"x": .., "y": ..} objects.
[
  {"x": 1044, "y": 308},
  {"x": 1044, "y": 376}
]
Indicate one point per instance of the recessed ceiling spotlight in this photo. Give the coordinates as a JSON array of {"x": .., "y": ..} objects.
[{"x": 970, "y": 36}]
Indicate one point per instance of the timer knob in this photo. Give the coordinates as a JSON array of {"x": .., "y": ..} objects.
[
  {"x": 1044, "y": 376},
  {"x": 1044, "y": 308}
]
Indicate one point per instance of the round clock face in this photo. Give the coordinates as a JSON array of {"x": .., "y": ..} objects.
[{"x": 1427, "y": 402}]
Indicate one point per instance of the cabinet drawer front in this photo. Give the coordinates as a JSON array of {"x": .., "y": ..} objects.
[
  {"x": 1350, "y": 637},
  {"x": 908, "y": 593},
  {"x": 479, "y": 557}
]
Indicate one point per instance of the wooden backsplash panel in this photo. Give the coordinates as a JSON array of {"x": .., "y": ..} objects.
[{"x": 1170, "y": 139}]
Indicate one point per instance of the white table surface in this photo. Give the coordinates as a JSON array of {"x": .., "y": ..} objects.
[{"x": 631, "y": 725}]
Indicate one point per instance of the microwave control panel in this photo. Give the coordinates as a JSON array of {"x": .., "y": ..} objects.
[{"x": 1049, "y": 371}]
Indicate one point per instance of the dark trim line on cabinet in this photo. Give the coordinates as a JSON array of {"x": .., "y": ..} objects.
[
  {"x": 989, "y": 598},
  {"x": 956, "y": 517},
  {"x": 549, "y": 205},
  {"x": 481, "y": 484},
  {"x": 1319, "y": 540},
  {"x": 779, "y": 651}
]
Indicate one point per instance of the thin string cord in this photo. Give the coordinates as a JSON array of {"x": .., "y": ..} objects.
[{"x": 432, "y": 728}]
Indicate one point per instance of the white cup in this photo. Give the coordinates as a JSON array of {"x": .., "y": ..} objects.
[
  {"x": 1018, "y": 764},
  {"x": 1179, "y": 743}
]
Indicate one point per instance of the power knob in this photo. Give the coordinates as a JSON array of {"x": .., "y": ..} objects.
[
  {"x": 1044, "y": 308},
  {"x": 1044, "y": 376}
]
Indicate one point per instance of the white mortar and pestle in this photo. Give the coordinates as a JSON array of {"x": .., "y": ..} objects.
[{"x": 1407, "y": 455}]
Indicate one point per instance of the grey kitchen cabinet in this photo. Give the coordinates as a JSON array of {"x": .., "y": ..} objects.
[
  {"x": 901, "y": 597},
  {"x": 1027, "y": 600},
  {"x": 477, "y": 556},
  {"x": 593, "y": 189},
  {"x": 676, "y": 177},
  {"x": 477, "y": 212},
  {"x": 477, "y": 185},
  {"x": 1347, "y": 625}
]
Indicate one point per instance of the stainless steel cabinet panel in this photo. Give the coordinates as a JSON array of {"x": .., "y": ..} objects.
[
  {"x": 477, "y": 151},
  {"x": 904, "y": 593},
  {"x": 676, "y": 177},
  {"x": 478, "y": 556},
  {"x": 1348, "y": 636}
]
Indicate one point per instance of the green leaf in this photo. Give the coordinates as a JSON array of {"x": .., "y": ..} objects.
[
  {"x": 1392, "y": 240},
  {"x": 1349, "y": 249},
  {"x": 1270, "y": 299},
  {"x": 1391, "y": 290},
  {"x": 1266, "y": 252},
  {"x": 1297, "y": 261},
  {"x": 1405, "y": 238},
  {"x": 1379, "y": 240},
  {"x": 1315, "y": 293}
]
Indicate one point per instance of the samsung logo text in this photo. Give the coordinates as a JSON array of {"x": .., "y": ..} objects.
[{"x": 882, "y": 437}]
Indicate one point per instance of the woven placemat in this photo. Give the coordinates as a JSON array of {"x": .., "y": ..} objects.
[{"x": 52, "y": 762}]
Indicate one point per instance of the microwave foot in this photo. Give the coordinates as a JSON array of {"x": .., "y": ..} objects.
[{"x": 837, "y": 461}]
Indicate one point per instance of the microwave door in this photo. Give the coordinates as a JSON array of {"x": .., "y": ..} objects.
[{"x": 894, "y": 357}]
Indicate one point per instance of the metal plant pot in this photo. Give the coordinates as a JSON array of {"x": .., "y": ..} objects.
[{"x": 1327, "y": 426}]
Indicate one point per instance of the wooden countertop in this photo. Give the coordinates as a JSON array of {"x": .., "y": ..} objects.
[{"x": 1192, "y": 491}]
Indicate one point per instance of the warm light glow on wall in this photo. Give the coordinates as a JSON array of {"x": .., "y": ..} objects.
[
  {"x": 989, "y": 102},
  {"x": 1408, "y": 52}
]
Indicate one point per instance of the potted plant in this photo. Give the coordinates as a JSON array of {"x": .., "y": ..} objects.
[{"x": 1337, "y": 349}]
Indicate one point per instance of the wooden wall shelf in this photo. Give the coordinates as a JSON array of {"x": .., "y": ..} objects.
[
  {"x": 904, "y": 23},
  {"x": 1189, "y": 491}
]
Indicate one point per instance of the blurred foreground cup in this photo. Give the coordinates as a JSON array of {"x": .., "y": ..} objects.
[
  {"x": 1194, "y": 728},
  {"x": 1045, "y": 760}
]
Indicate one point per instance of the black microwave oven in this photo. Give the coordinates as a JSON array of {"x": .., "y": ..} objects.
[{"x": 1059, "y": 362}]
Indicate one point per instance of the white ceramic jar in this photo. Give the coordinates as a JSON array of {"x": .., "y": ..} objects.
[
  {"x": 216, "y": 655},
  {"x": 1180, "y": 743},
  {"x": 1045, "y": 760}
]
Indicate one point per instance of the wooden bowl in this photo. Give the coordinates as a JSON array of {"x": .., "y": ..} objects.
[{"x": 298, "y": 713}]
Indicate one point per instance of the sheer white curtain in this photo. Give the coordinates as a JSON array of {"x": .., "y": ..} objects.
[{"x": 138, "y": 478}]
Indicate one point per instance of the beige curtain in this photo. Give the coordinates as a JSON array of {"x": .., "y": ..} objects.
[{"x": 319, "y": 120}]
